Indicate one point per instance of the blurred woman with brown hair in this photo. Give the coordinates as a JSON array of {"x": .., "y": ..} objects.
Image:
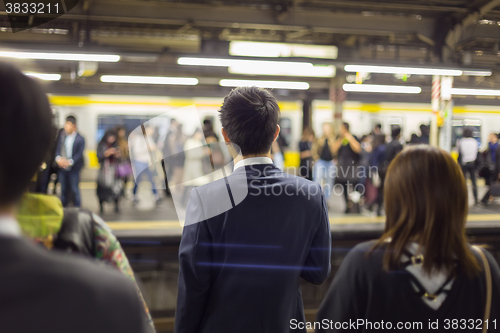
[{"x": 422, "y": 269}]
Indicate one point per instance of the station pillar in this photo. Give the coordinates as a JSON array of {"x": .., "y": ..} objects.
[
  {"x": 435, "y": 105},
  {"x": 337, "y": 97},
  {"x": 446, "y": 113},
  {"x": 306, "y": 113}
]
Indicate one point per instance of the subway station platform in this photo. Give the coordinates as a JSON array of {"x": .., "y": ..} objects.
[{"x": 148, "y": 219}]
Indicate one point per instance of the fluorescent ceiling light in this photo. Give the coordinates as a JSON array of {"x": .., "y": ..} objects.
[
  {"x": 477, "y": 72},
  {"x": 475, "y": 92},
  {"x": 263, "y": 67},
  {"x": 44, "y": 76},
  {"x": 60, "y": 56},
  {"x": 402, "y": 70},
  {"x": 188, "y": 81},
  {"x": 275, "y": 50},
  {"x": 265, "y": 84},
  {"x": 376, "y": 88},
  {"x": 285, "y": 70}
]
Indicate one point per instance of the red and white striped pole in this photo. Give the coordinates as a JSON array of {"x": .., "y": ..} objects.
[{"x": 435, "y": 106}]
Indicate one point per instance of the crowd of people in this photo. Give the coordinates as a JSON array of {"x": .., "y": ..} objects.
[
  {"x": 239, "y": 270},
  {"x": 358, "y": 165}
]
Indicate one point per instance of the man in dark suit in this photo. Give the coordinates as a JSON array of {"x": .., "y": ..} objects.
[
  {"x": 42, "y": 291},
  {"x": 249, "y": 238},
  {"x": 69, "y": 158}
]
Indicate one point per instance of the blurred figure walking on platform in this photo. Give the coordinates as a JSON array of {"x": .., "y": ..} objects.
[
  {"x": 348, "y": 149},
  {"x": 124, "y": 167},
  {"x": 492, "y": 165},
  {"x": 306, "y": 159},
  {"x": 467, "y": 156},
  {"x": 323, "y": 152},
  {"x": 109, "y": 184},
  {"x": 69, "y": 158},
  {"x": 51, "y": 167},
  {"x": 424, "y": 134},
  {"x": 141, "y": 157}
]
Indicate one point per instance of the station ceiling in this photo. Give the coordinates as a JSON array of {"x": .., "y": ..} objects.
[{"x": 152, "y": 35}]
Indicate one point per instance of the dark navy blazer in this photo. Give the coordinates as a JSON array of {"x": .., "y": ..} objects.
[
  {"x": 240, "y": 270},
  {"x": 78, "y": 147}
]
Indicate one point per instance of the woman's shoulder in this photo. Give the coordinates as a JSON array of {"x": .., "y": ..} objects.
[{"x": 364, "y": 256}]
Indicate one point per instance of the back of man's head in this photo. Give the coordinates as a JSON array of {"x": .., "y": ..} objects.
[
  {"x": 26, "y": 132},
  {"x": 249, "y": 115},
  {"x": 396, "y": 130}
]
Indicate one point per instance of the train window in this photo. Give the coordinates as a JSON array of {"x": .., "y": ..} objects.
[
  {"x": 55, "y": 118},
  {"x": 458, "y": 126},
  {"x": 285, "y": 136},
  {"x": 130, "y": 122}
]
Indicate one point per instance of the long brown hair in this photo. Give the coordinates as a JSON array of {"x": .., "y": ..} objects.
[{"x": 426, "y": 202}]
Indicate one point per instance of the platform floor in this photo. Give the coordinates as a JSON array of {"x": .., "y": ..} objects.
[{"x": 147, "y": 218}]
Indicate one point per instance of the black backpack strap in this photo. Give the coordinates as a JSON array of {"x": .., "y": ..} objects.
[{"x": 77, "y": 232}]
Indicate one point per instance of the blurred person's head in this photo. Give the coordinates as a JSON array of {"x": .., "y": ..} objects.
[
  {"x": 378, "y": 140},
  {"x": 327, "y": 129},
  {"x": 377, "y": 129},
  {"x": 396, "y": 132},
  {"x": 414, "y": 138},
  {"x": 26, "y": 133},
  {"x": 109, "y": 137},
  {"x": 207, "y": 124},
  {"x": 308, "y": 134},
  {"x": 344, "y": 128},
  {"x": 424, "y": 129},
  {"x": 249, "y": 117},
  {"x": 467, "y": 133},
  {"x": 198, "y": 135},
  {"x": 70, "y": 125},
  {"x": 425, "y": 199},
  {"x": 121, "y": 132},
  {"x": 493, "y": 138}
]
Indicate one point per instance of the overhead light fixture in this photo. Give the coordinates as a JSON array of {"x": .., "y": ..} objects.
[
  {"x": 378, "y": 88},
  {"x": 44, "y": 76},
  {"x": 275, "y": 50},
  {"x": 265, "y": 84},
  {"x": 477, "y": 72},
  {"x": 475, "y": 92},
  {"x": 263, "y": 67},
  {"x": 60, "y": 56},
  {"x": 285, "y": 70},
  {"x": 402, "y": 70},
  {"x": 188, "y": 81}
]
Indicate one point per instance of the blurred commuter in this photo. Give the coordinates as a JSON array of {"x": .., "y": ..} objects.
[
  {"x": 167, "y": 152},
  {"x": 195, "y": 152},
  {"x": 141, "y": 158},
  {"x": 348, "y": 149},
  {"x": 208, "y": 131},
  {"x": 124, "y": 169},
  {"x": 493, "y": 164},
  {"x": 378, "y": 157},
  {"x": 69, "y": 158},
  {"x": 52, "y": 167},
  {"x": 306, "y": 160},
  {"x": 422, "y": 269},
  {"x": 377, "y": 130},
  {"x": 42, "y": 291},
  {"x": 489, "y": 159},
  {"x": 424, "y": 134},
  {"x": 323, "y": 153},
  {"x": 414, "y": 140},
  {"x": 109, "y": 184},
  {"x": 240, "y": 270},
  {"x": 391, "y": 150},
  {"x": 214, "y": 159},
  {"x": 467, "y": 152}
]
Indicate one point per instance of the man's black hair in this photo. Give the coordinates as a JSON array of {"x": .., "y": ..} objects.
[
  {"x": 346, "y": 126},
  {"x": 26, "y": 132},
  {"x": 396, "y": 130},
  {"x": 379, "y": 126},
  {"x": 71, "y": 119},
  {"x": 249, "y": 115},
  {"x": 467, "y": 133}
]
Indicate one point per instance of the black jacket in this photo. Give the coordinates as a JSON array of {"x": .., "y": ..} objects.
[
  {"x": 43, "y": 291},
  {"x": 240, "y": 269}
]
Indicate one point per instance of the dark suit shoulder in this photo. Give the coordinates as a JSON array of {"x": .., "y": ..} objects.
[{"x": 77, "y": 289}]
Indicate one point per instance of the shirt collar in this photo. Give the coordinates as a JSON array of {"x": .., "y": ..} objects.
[
  {"x": 252, "y": 161},
  {"x": 9, "y": 226},
  {"x": 72, "y": 135}
]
